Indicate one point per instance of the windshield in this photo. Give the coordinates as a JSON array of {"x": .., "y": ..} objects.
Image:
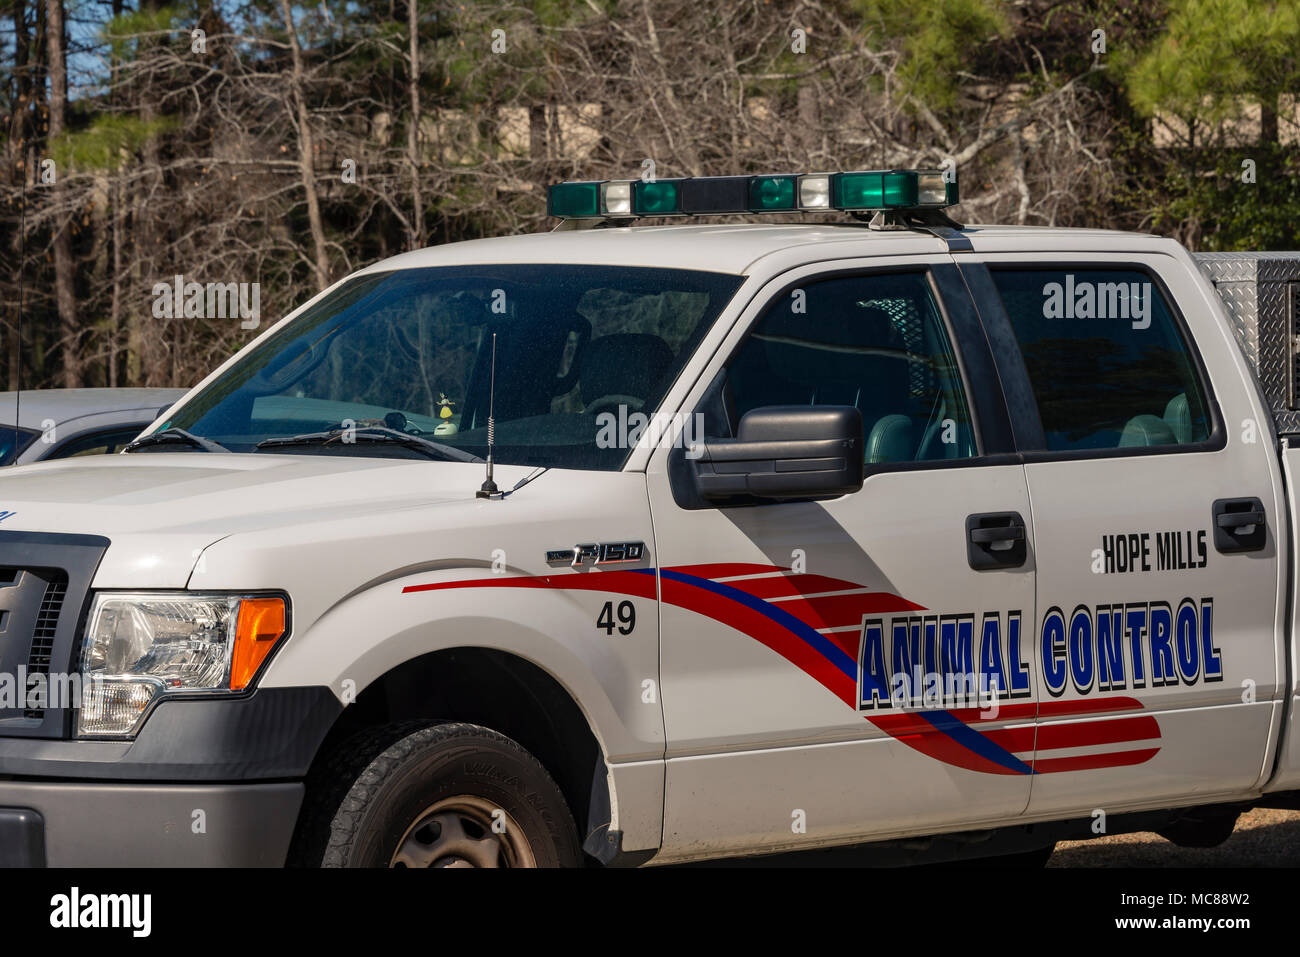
[
  {"x": 411, "y": 351},
  {"x": 12, "y": 443}
]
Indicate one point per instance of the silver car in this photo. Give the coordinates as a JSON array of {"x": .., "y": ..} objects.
[{"x": 57, "y": 423}]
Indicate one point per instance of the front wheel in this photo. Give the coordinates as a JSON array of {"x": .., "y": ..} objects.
[{"x": 447, "y": 795}]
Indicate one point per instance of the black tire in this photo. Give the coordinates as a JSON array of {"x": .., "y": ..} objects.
[
  {"x": 434, "y": 792},
  {"x": 1201, "y": 829}
]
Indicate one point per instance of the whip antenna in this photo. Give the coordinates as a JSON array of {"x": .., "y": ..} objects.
[
  {"x": 22, "y": 266},
  {"x": 489, "y": 487}
]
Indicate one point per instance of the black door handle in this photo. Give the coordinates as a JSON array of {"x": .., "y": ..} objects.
[
  {"x": 1239, "y": 519},
  {"x": 1239, "y": 525},
  {"x": 989, "y": 536},
  {"x": 996, "y": 540}
]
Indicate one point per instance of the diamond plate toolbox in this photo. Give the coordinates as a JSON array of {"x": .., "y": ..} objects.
[{"x": 1261, "y": 291}]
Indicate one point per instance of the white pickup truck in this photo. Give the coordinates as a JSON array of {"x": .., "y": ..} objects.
[{"x": 652, "y": 544}]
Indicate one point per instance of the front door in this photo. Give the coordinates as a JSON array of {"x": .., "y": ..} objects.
[{"x": 849, "y": 668}]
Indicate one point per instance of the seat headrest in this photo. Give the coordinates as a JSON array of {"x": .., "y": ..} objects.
[
  {"x": 1179, "y": 417},
  {"x": 624, "y": 363},
  {"x": 1146, "y": 430},
  {"x": 890, "y": 440}
]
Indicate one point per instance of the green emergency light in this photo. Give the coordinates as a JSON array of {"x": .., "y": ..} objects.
[{"x": 861, "y": 191}]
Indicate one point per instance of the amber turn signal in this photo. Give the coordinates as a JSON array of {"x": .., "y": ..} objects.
[{"x": 260, "y": 626}]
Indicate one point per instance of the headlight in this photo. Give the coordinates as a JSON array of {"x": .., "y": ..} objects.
[{"x": 142, "y": 646}]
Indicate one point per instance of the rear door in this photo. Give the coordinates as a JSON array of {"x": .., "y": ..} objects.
[
  {"x": 1150, "y": 470},
  {"x": 855, "y": 667}
]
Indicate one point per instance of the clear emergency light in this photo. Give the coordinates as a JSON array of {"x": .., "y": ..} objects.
[{"x": 866, "y": 190}]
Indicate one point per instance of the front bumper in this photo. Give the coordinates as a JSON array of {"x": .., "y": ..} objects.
[
  {"x": 76, "y": 824},
  {"x": 206, "y": 783},
  {"x": 272, "y": 734}
]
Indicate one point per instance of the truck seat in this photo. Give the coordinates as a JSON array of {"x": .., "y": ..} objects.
[
  {"x": 1179, "y": 417},
  {"x": 1146, "y": 430},
  {"x": 890, "y": 440}
]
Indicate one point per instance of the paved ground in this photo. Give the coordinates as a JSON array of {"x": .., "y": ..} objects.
[{"x": 1265, "y": 837}]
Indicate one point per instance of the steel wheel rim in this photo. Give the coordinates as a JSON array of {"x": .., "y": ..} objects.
[{"x": 459, "y": 832}]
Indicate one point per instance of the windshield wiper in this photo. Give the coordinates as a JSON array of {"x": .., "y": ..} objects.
[
  {"x": 372, "y": 433},
  {"x": 175, "y": 436}
]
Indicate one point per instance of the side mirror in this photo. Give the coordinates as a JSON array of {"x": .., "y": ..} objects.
[{"x": 784, "y": 452}]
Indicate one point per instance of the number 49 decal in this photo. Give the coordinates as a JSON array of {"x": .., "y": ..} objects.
[{"x": 626, "y": 618}]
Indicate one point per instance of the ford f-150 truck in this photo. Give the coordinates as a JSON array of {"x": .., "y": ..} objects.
[{"x": 627, "y": 544}]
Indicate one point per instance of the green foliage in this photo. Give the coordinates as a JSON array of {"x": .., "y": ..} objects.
[
  {"x": 1232, "y": 214},
  {"x": 937, "y": 40},
  {"x": 465, "y": 71},
  {"x": 1212, "y": 53},
  {"x": 146, "y": 20},
  {"x": 1212, "y": 62},
  {"x": 565, "y": 13},
  {"x": 122, "y": 31},
  {"x": 107, "y": 142}
]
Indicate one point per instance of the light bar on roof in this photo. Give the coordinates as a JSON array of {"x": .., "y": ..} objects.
[
  {"x": 860, "y": 191},
  {"x": 815, "y": 191},
  {"x": 616, "y": 198},
  {"x": 657, "y": 197}
]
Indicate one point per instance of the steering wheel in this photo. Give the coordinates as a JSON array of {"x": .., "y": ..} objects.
[
  {"x": 613, "y": 401},
  {"x": 396, "y": 421}
]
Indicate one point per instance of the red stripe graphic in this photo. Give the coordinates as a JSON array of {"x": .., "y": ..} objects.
[
  {"x": 1054, "y": 709},
  {"x": 730, "y": 570},
  {"x": 640, "y": 584},
  {"x": 840, "y": 611},
  {"x": 922, "y": 736},
  {"x": 1090, "y": 762},
  {"x": 784, "y": 586},
  {"x": 1078, "y": 734},
  {"x": 1015, "y": 740},
  {"x": 846, "y": 641},
  {"x": 1082, "y": 734},
  {"x": 847, "y": 611},
  {"x": 761, "y": 628},
  {"x": 1006, "y": 712}
]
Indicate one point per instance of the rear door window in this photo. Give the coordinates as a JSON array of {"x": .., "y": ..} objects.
[{"x": 1109, "y": 364}]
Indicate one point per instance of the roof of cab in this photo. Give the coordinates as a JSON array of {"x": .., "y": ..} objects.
[{"x": 736, "y": 247}]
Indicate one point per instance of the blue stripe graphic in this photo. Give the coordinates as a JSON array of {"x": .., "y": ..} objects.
[
  {"x": 820, "y": 643},
  {"x": 972, "y": 740},
  {"x": 944, "y": 721}
]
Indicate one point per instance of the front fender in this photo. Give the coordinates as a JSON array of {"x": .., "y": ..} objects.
[
  {"x": 374, "y": 631},
  {"x": 359, "y": 640}
]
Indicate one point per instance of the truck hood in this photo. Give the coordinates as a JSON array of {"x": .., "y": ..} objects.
[{"x": 161, "y": 509}]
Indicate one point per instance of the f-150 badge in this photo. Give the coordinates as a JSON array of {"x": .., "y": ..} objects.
[{"x": 606, "y": 553}]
